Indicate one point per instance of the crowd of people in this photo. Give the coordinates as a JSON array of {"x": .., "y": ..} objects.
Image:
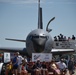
[
  {"x": 19, "y": 65},
  {"x": 61, "y": 37}
]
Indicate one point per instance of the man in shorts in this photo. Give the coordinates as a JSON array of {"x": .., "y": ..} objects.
[{"x": 19, "y": 59}]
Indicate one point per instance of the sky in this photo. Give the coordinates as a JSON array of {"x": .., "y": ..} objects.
[{"x": 19, "y": 17}]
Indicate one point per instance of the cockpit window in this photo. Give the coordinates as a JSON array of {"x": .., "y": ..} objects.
[
  {"x": 36, "y": 36},
  {"x": 43, "y": 36},
  {"x": 30, "y": 37},
  {"x": 46, "y": 37}
]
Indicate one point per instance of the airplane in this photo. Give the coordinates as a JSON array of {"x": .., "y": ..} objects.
[{"x": 37, "y": 41}]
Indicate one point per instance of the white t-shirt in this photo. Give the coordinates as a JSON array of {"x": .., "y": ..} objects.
[
  {"x": 61, "y": 65},
  {"x": 19, "y": 58}
]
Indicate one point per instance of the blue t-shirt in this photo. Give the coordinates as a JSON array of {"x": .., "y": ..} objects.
[{"x": 15, "y": 61}]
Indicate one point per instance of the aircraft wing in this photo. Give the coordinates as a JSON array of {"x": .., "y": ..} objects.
[
  {"x": 62, "y": 51},
  {"x": 8, "y": 49},
  {"x": 15, "y": 40}
]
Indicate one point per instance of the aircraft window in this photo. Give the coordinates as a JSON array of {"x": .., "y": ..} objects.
[
  {"x": 30, "y": 37},
  {"x": 35, "y": 36},
  {"x": 39, "y": 37},
  {"x": 42, "y": 36}
]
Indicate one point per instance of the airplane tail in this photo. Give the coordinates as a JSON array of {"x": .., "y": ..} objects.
[{"x": 40, "y": 24}]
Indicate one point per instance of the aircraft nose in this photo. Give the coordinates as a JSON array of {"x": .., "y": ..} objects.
[{"x": 41, "y": 42}]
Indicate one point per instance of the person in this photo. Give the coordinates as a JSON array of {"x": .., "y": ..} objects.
[
  {"x": 31, "y": 68},
  {"x": 62, "y": 66},
  {"x": 44, "y": 65},
  {"x": 64, "y": 38},
  {"x": 15, "y": 64},
  {"x": 55, "y": 38},
  {"x": 23, "y": 68},
  {"x": 44, "y": 68},
  {"x": 10, "y": 68},
  {"x": 61, "y": 37},
  {"x": 19, "y": 59},
  {"x": 73, "y": 37},
  {"x": 37, "y": 67},
  {"x": 71, "y": 66},
  {"x": 25, "y": 58},
  {"x": 69, "y": 38},
  {"x": 53, "y": 68}
]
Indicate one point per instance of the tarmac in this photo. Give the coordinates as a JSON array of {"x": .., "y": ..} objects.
[{"x": 72, "y": 74}]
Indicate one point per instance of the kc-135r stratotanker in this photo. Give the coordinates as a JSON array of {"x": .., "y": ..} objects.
[{"x": 37, "y": 41}]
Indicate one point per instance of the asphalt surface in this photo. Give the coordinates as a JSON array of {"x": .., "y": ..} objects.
[{"x": 73, "y": 74}]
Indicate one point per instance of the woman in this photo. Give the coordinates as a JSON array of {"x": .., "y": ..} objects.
[
  {"x": 24, "y": 71},
  {"x": 54, "y": 68}
]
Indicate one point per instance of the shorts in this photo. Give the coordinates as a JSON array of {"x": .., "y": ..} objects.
[
  {"x": 19, "y": 68},
  {"x": 15, "y": 66}
]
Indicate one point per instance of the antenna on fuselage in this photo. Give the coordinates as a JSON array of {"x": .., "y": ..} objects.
[{"x": 40, "y": 24}]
